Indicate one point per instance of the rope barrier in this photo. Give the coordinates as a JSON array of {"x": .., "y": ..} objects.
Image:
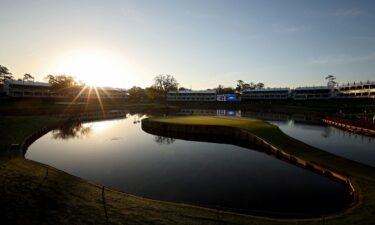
[
  {"x": 44, "y": 179},
  {"x": 105, "y": 206}
]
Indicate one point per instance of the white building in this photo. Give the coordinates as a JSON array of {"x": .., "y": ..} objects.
[
  {"x": 313, "y": 93},
  {"x": 30, "y": 89},
  {"x": 192, "y": 96},
  {"x": 102, "y": 92},
  {"x": 15, "y": 88},
  {"x": 357, "y": 90},
  {"x": 266, "y": 93}
]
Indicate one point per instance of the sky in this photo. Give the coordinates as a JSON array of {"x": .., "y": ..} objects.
[{"x": 202, "y": 43}]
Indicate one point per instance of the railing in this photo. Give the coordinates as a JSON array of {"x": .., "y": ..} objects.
[{"x": 367, "y": 124}]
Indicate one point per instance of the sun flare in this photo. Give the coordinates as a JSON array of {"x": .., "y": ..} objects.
[{"x": 93, "y": 68}]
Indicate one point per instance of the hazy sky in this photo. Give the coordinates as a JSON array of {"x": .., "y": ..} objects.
[{"x": 202, "y": 43}]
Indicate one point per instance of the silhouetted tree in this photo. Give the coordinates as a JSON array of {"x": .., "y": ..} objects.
[
  {"x": 259, "y": 86},
  {"x": 182, "y": 89},
  {"x": 5, "y": 74},
  {"x": 251, "y": 85},
  {"x": 28, "y": 77},
  {"x": 60, "y": 82},
  {"x": 136, "y": 94},
  {"x": 331, "y": 81},
  {"x": 221, "y": 89},
  {"x": 228, "y": 90},
  {"x": 165, "y": 83},
  {"x": 248, "y": 86},
  {"x": 241, "y": 85},
  {"x": 153, "y": 93}
]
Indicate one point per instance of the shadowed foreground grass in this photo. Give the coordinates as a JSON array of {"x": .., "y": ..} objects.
[{"x": 32, "y": 193}]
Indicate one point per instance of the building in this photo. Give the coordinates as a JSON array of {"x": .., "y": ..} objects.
[
  {"x": 313, "y": 93},
  {"x": 30, "y": 89},
  {"x": 88, "y": 92},
  {"x": 114, "y": 93},
  {"x": 192, "y": 96},
  {"x": 357, "y": 90},
  {"x": 210, "y": 112},
  {"x": 266, "y": 94},
  {"x": 2, "y": 91}
]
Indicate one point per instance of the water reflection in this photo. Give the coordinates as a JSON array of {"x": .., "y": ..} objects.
[
  {"x": 137, "y": 118},
  {"x": 164, "y": 140},
  {"x": 326, "y": 132},
  {"x": 71, "y": 130},
  {"x": 340, "y": 142},
  {"x": 210, "y": 112}
]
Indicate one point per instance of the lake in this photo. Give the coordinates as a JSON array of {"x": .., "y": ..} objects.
[{"x": 120, "y": 155}]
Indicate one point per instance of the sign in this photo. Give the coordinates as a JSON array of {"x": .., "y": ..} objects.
[{"x": 226, "y": 98}]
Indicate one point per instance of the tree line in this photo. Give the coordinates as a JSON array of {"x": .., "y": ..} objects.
[
  {"x": 241, "y": 85},
  {"x": 162, "y": 84},
  {"x": 6, "y": 75},
  {"x": 165, "y": 83}
]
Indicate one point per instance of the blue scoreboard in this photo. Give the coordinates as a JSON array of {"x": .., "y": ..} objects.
[{"x": 226, "y": 98}]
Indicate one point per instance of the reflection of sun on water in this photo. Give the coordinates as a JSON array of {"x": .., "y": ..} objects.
[
  {"x": 101, "y": 126},
  {"x": 93, "y": 68}
]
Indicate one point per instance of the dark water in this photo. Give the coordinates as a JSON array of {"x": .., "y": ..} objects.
[
  {"x": 348, "y": 145},
  {"x": 120, "y": 155}
]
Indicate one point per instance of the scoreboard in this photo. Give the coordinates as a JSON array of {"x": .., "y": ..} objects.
[{"x": 226, "y": 98}]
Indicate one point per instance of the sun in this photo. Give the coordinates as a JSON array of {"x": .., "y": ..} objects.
[{"x": 93, "y": 68}]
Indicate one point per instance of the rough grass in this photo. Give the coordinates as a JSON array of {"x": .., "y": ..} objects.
[{"x": 13, "y": 130}]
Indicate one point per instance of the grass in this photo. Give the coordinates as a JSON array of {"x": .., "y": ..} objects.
[
  {"x": 14, "y": 130},
  {"x": 34, "y": 196}
]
